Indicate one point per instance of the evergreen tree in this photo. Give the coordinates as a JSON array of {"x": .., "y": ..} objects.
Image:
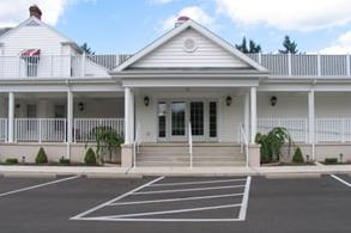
[
  {"x": 86, "y": 49},
  {"x": 253, "y": 47},
  {"x": 289, "y": 46}
]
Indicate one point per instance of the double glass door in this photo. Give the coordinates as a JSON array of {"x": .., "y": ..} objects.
[{"x": 174, "y": 117}]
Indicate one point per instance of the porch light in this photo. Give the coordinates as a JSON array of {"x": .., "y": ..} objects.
[
  {"x": 228, "y": 100},
  {"x": 81, "y": 106},
  {"x": 146, "y": 100},
  {"x": 274, "y": 100}
]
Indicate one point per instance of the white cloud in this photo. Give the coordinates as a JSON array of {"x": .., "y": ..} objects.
[
  {"x": 341, "y": 46},
  {"x": 300, "y": 15},
  {"x": 194, "y": 12},
  {"x": 162, "y": 1},
  {"x": 13, "y": 12}
]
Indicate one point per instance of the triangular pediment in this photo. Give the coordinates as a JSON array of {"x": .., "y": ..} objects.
[{"x": 190, "y": 46}]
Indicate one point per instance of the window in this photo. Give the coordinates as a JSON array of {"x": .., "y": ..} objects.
[
  {"x": 162, "y": 113},
  {"x": 178, "y": 118},
  {"x": 197, "y": 118},
  {"x": 31, "y": 66}
]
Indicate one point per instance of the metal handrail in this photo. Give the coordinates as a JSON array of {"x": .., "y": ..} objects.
[
  {"x": 190, "y": 142},
  {"x": 244, "y": 144}
]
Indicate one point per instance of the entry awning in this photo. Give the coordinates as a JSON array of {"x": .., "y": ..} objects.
[{"x": 30, "y": 53}]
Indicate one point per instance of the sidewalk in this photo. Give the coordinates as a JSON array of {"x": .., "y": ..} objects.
[{"x": 119, "y": 172}]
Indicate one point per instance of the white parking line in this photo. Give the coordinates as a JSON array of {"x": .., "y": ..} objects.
[
  {"x": 243, "y": 209},
  {"x": 174, "y": 211},
  {"x": 198, "y": 182},
  {"x": 188, "y": 190},
  {"x": 177, "y": 199},
  {"x": 37, "y": 186},
  {"x": 147, "y": 216},
  {"x": 79, "y": 216},
  {"x": 341, "y": 180}
]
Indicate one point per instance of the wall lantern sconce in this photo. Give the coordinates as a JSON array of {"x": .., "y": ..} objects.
[
  {"x": 274, "y": 100},
  {"x": 228, "y": 100},
  {"x": 81, "y": 106},
  {"x": 146, "y": 100},
  {"x": 18, "y": 106}
]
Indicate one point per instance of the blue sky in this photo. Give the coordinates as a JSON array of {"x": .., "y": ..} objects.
[{"x": 125, "y": 26}]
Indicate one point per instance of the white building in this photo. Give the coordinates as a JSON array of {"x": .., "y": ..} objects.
[{"x": 188, "y": 98}]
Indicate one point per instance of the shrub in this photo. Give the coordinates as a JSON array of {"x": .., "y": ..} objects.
[
  {"x": 298, "y": 158},
  {"x": 41, "y": 156},
  {"x": 11, "y": 161},
  {"x": 65, "y": 161},
  {"x": 330, "y": 160},
  {"x": 90, "y": 157}
]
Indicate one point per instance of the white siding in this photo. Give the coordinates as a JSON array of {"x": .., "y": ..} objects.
[
  {"x": 207, "y": 54},
  {"x": 29, "y": 37}
]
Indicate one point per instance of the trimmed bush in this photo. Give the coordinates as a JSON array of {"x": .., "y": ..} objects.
[
  {"x": 90, "y": 157},
  {"x": 298, "y": 158},
  {"x": 11, "y": 161},
  {"x": 330, "y": 160},
  {"x": 64, "y": 161},
  {"x": 41, "y": 156}
]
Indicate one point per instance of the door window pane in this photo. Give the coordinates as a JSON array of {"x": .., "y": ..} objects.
[
  {"x": 178, "y": 118},
  {"x": 213, "y": 119},
  {"x": 197, "y": 118},
  {"x": 162, "y": 112}
]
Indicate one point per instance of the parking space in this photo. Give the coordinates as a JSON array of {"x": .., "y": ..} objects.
[
  {"x": 182, "y": 200},
  {"x": 173, "y": 204}
]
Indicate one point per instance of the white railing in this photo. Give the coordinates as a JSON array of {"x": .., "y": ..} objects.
[
  {"x": 3, "y": 129},
  {"x": 297, "y": 127},
  {"x": 85, "y": 128},
  {"x": 244, "y": 144},
  {"x": 317, "y": 65},
  {"x": 40, "y": 129},
  {"x": 333, "y": 130},
  {"x": 190, "y": 142},
  {"x": 109, "y": 61}
]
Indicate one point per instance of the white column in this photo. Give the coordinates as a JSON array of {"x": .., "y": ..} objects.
[
  {"x": 311, "y": 120},
  {"x": 253, "y": 106},
  {"x": 247, "y": 114},
  {"x": 70, "y": 116},
  {"x": 11, "y": 117},
  {"x": 128, "y": 116}
]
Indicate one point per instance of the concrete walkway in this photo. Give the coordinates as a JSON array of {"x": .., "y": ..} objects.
[{"x": 115, "y": 171}]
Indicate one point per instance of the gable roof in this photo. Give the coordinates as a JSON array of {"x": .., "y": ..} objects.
[
  {"x": 9, "y": 31},
  {"x": 178, "y": 30},
  {"x": 4, "y": 30}
]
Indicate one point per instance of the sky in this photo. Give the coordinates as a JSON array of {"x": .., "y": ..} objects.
[{"x": 126, "y": 26}]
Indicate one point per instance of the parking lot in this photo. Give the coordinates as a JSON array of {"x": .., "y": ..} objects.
[{"x": 176, "y": 204}]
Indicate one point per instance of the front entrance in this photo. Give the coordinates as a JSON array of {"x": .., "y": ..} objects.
[{"x": 174, "y": 117}]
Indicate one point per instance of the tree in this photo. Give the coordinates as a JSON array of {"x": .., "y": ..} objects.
[
  {"x": 253, "y": 47},
  {"x": 86, "y": 48},
  {"x": 289, "y": 46}
]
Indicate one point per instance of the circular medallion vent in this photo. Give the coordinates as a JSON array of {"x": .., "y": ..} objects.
[{"x": 190, "y": 45}]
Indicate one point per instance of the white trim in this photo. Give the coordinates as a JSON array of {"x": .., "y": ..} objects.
[
  {"x": 177, "y": 199},
  {"x": 188, "y": 190},
  {"x": 79, "y": 216},
  {"x": 38, "y": 186},
  {"x": 204, "y": 32}
]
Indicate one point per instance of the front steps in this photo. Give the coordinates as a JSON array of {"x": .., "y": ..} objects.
[{"x": 177, "y": 155}]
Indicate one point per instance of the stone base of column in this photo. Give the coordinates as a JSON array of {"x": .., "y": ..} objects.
[
  {"x": 254, "y": 155},
  {"x": 126, "y": 155}
]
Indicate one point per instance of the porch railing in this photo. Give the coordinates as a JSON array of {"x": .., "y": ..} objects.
[
  {"x": 297, "y": 127},
  {"x": 85, "y": 128},
  {"x": 3, "y": 129},
  {"x": 40, "y": 129},
  {"x": 333, "y": 130}
]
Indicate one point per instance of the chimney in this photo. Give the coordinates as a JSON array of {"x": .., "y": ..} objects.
[
  {"x": 181, "y": 20},
  {"x": 35, "y": 11}
]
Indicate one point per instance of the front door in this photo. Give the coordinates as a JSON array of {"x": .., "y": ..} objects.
[{"x": 174, "y": 117}]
